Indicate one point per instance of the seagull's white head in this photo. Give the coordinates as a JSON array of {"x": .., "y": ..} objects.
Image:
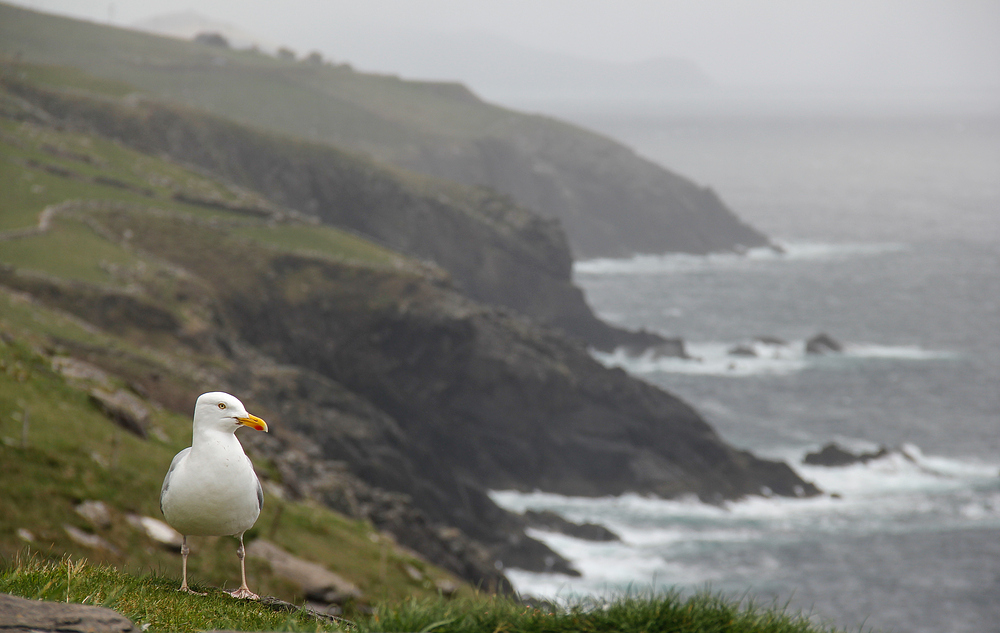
[{"x": 221, "y": 411}]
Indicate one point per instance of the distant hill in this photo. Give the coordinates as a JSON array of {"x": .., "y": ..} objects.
[
  {"x": 506, "y": 71},
  {"x": 609, "y": 201}
]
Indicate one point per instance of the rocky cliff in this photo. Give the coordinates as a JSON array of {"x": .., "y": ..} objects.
[
  {"x": 495, "y": 251},
  {"x": 399, "y": 378}
]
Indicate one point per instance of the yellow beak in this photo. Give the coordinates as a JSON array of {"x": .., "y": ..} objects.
[{"x": 254, "y": 423}]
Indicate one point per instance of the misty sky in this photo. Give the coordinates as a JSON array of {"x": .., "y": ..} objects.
[{"x": 842, "y": 44}]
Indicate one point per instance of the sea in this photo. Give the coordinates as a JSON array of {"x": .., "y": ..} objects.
[{"x": 889, "y": 235}]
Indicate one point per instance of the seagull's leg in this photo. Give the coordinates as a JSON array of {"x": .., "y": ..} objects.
[
  {"x": 185, "y": 550},
  {"x": 243, "y": 591}
]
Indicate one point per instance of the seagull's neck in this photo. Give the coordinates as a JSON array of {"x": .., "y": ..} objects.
[{"x": 212, "y": 439}]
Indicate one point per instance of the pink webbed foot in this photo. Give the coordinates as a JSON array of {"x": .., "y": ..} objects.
[
  {"x": 244, "y": 593},
  {"x": 187, "y": 589}
]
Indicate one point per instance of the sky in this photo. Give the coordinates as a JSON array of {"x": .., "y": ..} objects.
[{"x": 855, "y": 45}]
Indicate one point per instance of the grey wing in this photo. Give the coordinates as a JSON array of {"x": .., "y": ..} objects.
[
  {"x": 173, "y": 465},
  {"x": 260, "y": 491}
]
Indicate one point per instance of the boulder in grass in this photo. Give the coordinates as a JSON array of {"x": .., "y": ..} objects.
[
  {"x": 20, "y": 614},
  {"x": 96, "y": 512},
  {"x": 127, "y": 410},
  {"x": 157, "y": 530},
  {"x": 316, "y": 581},
  {"x": 86, "y": 539}
]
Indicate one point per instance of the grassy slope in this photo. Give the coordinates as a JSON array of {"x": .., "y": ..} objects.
[
  {"x": 73, "y": 452},
  {"x": 318, "y": 102},
  {"x": 151, "y": 599}
]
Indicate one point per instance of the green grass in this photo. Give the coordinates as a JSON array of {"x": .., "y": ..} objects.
[
  {"x": 149, "y": 599},
  {"x": 70, "y": 250},
  {"x": 324, "y": 241},
  {"x": 152, "y": 599},
  {"x": 42, "y": 166},
  {"x": 86, "y": 164},
  {"x": 651, "y": 613},
  {"x": 74, "y": 78}
]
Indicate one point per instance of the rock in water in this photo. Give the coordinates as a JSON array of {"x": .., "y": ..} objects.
[
  {"x": 834, "y": 455},
  {"x": 823, "y": 344},
  {"x": 550, "y": 521},
  {"x": 19, "y": 614}
]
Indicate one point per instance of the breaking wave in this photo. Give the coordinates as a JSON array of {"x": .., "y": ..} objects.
[
  {"x": 784, "y": 252},
  {"x": 750, "y": 358}
]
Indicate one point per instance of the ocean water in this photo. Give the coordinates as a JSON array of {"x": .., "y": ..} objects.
[{"x": 891, "y": 238}]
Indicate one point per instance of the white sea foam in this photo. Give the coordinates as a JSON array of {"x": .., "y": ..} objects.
[
  {"x": 900, "y": 352},
  {"x": 759, "y": 358},
  {"x": 669, "y": 541},
  {"x": 680, "y": 262}
]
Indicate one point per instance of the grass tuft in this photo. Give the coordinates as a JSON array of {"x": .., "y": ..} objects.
[{"x": 669, "y": 611}]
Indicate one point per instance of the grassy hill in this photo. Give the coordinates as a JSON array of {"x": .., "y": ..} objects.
[
  {"x": 58, "y": 447},
  {"x": 609, "y": 201}
]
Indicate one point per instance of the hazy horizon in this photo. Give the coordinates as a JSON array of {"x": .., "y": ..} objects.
[{"x": 858, "y": 52}]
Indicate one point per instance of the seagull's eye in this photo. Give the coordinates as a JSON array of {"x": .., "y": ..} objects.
[{"x": 222, "y": 405}]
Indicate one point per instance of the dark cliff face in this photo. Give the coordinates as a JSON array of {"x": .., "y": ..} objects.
[
  {"x": 504, "y": 403},
  {"x": 476, "y": 395},
  {"x": 611, "y": 202},
  {"x": 494, "y": 251}
]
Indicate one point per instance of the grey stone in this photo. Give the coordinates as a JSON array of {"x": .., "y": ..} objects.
[
  {"x": 127, "y": 410},
  {"x": 552, "y": 522},
  {"x": 312, "y": 577},
  {"x": 19, "y": 614},
  {"x": 96, "y": 512},
  {"x": 86, "y": 539}
]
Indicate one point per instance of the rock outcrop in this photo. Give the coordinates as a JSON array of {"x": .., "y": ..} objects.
[
  {"x": 612, "y": 202},
  {"x": 823, "y": 344},
  {"x": 834, "y": 455},
  {"x": 549, "y": 521}
]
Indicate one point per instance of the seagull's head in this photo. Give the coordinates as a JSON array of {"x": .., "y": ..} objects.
[{"x": 221, "y": 411}]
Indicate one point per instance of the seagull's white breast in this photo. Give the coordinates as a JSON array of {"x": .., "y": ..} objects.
[{"x": 213, "y": 489}]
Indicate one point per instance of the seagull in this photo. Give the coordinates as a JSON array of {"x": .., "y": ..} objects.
[{"x": 211, "y": 488}]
